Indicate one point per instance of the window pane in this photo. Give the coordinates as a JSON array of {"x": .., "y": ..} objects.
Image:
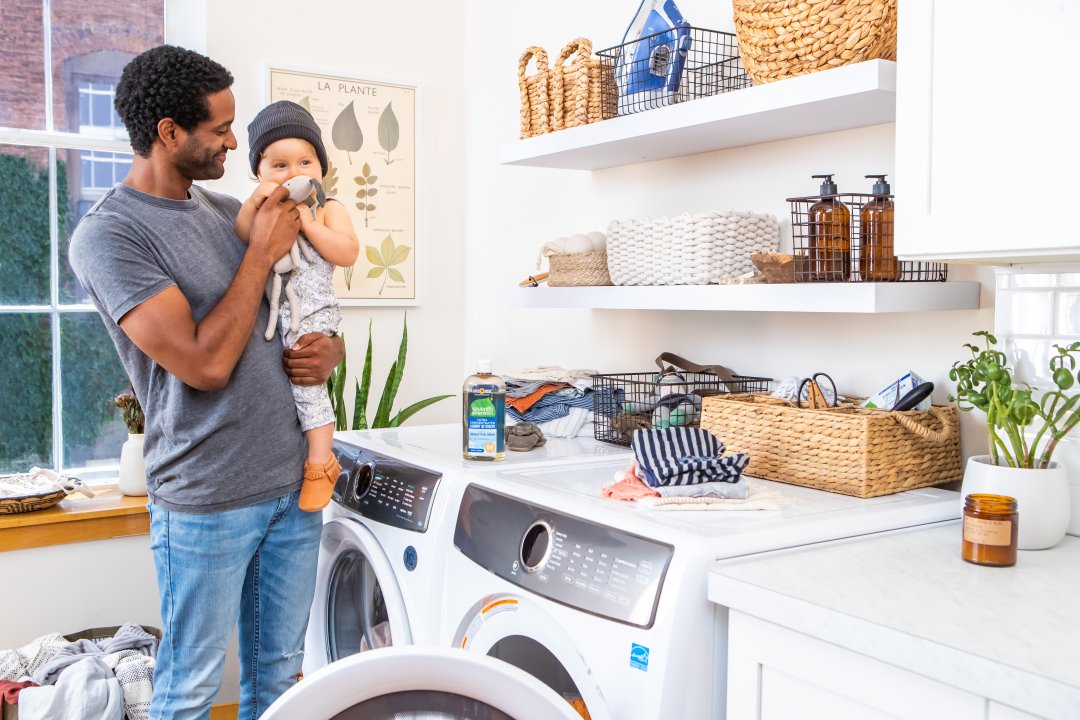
[
  {"x": 91, "y": 43},
  {"x": 26, "y": 387},
  {"x": 90, "y": 377},
  {"x": 77, "y": 172},
  {"x": 22, "y": 64},
  {"x": 24, "y": 232}
]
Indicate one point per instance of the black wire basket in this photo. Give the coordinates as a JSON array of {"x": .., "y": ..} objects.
[
  {"x": 670, "y": 67},
  {"x": 830, "y": 248},
  {"x": 626, "y": 402}
]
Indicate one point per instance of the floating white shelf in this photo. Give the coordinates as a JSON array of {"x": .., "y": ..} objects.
[
  {"x": 843, "y": 98},
  {"x": 797, "y": 297}
]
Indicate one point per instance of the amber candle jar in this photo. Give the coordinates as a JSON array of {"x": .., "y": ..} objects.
[{"x": 990, "y": 525}]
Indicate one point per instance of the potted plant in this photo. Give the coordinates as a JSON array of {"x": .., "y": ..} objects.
[
  {"x": 1024, "y": 426},
  {"x": 131, "y": 477}
]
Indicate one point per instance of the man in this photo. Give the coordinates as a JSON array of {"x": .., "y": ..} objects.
[{"x": 182, "y": 298}]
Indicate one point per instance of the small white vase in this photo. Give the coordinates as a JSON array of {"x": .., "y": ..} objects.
[
  {"x": 132, "y": 477},
  {"x": 1042, "y": 498}
]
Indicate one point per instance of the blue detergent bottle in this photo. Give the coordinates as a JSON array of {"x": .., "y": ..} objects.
[{"x": 650, "y": 66}]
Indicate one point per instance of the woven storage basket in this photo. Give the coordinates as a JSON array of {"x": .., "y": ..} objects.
[
  {"x": 689, "y": 249},
  {"x": 576, "y": 98},
  {"x": 849, "y": 450},
  {"x": 29, "y": 503},
  {"x": 534, "y": 91},
  {"x": 784, "y": 38},
  {"x": 578, "y": 269}
]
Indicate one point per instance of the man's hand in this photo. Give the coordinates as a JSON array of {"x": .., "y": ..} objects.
[
  {"x": 312, "y": 358},
  {"x": 275, "y": 227}
]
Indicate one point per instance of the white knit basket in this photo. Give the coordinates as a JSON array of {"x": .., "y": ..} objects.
[{"x": 688, "y": 249}]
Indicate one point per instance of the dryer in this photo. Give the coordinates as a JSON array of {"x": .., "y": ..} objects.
[
  {"x": 606, "y": 602},
  {"x": 386, "y": 532}
]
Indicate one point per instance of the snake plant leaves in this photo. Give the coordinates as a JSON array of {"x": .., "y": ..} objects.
[
  {"x": 346, "y": 132},
  {"x": 389, "y": 132}
]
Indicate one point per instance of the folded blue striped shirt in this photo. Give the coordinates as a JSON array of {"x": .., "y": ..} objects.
[{"x": 684, "y": 456}]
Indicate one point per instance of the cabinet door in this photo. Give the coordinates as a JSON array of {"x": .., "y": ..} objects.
[
  {"x": 775, "y": 673},
  {"x": 987, "y": 146}
]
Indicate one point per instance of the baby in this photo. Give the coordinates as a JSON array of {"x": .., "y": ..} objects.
[{"x": 285, "y": 142}]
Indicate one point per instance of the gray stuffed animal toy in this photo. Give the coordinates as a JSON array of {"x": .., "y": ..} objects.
[{"x": 299, "y": 255}]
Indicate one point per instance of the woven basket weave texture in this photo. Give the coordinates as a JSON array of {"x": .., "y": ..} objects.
[
  {"x": 578, "y": 269},
  {"x": 566, "y": 95},
  {"x": 848, "y": 450},
  {"x": 29, "y": 503},
  {"x": 785, "y": 38},
  {"x": 688, "y": 249}
]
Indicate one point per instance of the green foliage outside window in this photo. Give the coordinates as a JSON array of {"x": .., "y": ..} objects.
[{"x": 92, "y": 374}]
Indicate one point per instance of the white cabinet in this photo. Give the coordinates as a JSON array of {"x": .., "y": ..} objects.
[
  {"x": 987, "y": 147},
  {"x": 775, "y": 673}
]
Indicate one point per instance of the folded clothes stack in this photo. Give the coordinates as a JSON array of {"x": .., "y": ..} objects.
[
  {"x": 557, "y": 400},
  {"x": 686, "y": 469}
]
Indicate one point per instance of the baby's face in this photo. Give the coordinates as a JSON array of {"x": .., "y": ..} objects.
[{"x": 287, "y": 158}]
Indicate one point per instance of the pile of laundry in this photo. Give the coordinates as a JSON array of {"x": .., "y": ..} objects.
[
  {"x": 53, "y": 678},
  {"x": 685, "y": 469},
  {"x": 557, "y": 400}
]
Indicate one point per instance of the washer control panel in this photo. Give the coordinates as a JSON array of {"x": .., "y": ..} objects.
[
  {"x": 573, "y": 561},
  {"x": 384, "y": 489}
]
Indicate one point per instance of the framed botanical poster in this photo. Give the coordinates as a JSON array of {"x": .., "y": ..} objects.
[{"x": 369, "y": 130}]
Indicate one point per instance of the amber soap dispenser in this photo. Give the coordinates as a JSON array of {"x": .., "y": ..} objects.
[
  {"x": 877, "y": 259},
  {"x": 830, "y": 235}
]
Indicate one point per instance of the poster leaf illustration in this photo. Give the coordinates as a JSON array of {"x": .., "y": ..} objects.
[
  {"x": 330, "y": 181},
  {"x": 348, "y": 277},
  {"x": 346, "y": 132},
  {"x": 305, "y": 102},
  {"x": 389, "y": 132},
  {"x": 384, "y": 258},
  {"x": 366, "y": 180}
]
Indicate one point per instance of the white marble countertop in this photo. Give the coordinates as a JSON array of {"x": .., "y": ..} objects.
[{"x": 908, "y": 599}]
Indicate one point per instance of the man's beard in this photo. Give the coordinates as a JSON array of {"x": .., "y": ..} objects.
[{"x": 198, "y": 162}]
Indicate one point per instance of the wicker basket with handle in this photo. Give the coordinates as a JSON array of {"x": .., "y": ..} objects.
[
  {"x": 847, "y": 449},
  {"x": 576, "y": 98},
  {"x": 535, "y": 92},
  {"x": 784, "y": 38}
]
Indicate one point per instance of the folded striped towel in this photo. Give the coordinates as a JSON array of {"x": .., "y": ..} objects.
[{"x": 684, "y": 456}]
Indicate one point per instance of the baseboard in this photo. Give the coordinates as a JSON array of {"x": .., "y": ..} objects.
[{"x": 224, "y": 712}]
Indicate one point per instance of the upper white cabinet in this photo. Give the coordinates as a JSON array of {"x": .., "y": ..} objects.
[{"x": 987, "y": 146}]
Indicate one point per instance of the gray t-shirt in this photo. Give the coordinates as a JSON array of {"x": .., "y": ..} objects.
[{"x": 205, "y": 451}]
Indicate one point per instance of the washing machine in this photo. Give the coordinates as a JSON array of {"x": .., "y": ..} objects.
[
  {"x": 386, "y": 533},
  {"x": 605, "y": 601}
]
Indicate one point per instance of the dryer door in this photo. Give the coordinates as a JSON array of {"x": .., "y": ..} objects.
[
  {"x": 358, "y": 605},
  {"x": 518, "y": 631},
  {"x": 420, "y": 682}
]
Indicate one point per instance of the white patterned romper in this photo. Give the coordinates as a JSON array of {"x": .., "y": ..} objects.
[{"x": 319, "y": 312}]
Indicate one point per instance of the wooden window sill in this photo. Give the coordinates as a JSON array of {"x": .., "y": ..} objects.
[{"x": 109, "y": 514}]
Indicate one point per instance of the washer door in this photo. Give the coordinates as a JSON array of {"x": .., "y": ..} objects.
[
  {"x": 420, "y": 682},
  {"x": 358, "y": 605},
  {"x": 518, "y": 631}
]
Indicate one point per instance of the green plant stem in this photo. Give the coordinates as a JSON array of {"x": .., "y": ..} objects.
[{"x": 1056, "y": 436}]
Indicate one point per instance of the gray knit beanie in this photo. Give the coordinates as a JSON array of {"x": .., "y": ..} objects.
[{"x": 280, "y": 120}]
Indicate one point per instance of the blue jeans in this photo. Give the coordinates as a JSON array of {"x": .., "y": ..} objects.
[{"x": 256, "y": 564}]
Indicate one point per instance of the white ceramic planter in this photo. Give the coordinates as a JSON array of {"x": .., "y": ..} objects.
[
  {"x": 132, "y": 477},
  {"x": 1042, "y": 498}
]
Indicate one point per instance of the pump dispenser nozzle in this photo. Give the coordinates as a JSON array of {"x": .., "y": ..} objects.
[
  {"x": 828, "y": 187},
  {"x": 880, "y": 187}
]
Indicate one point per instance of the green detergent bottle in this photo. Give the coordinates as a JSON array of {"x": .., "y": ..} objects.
[{"x": 483, "y": 415}]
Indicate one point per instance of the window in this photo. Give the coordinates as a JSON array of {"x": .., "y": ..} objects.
[{"x": 61, "y": 147}]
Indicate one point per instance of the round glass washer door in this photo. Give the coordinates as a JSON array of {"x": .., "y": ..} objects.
[
  {"x": 433, "y": 683},
  {"x": 358, "y": 606}
]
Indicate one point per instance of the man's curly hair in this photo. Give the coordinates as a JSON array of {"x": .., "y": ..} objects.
[{"x": 166, "y": 82}]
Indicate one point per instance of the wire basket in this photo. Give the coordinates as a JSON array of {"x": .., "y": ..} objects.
[
  {"x": 831, "y": 248},
  {"x": 626, "y": 402},
  {"x": 670, "y": 67}
]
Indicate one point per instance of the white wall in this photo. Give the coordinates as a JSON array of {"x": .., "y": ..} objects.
[
  {"x": 413, "y": 42},
  {"x": 514, "y": 210}
]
